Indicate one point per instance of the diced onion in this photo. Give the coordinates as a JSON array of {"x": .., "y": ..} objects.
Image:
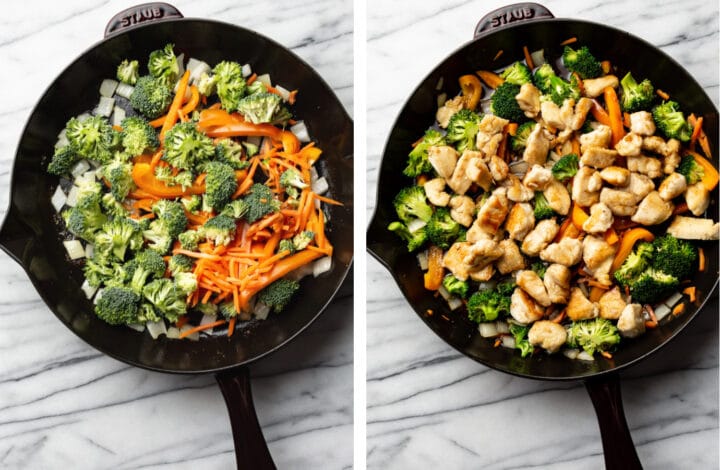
[
  {"x": 124, "y": 90},
  {"x": 80, "y": 167},
  {"x": 261, "y": 311},
  {"x": 485, "y": 106},
  {"x": 62, "y": 141},
  {"x": 89, "y": 250},
  {"x": 118, "y": 116},
  {"x": 313, "y": 174},
  {"x": 173, "y": 333},
  {"x": 439, "y": 84},
  {"x": 181, "y": 65},
  {"x": 74, "y": 249},
  {"x": 58, "y": 199},
  {"x": 105, "y": 106},
  {"x": 455, "y": 303},
  {"x": 156, "y": 328},
  {"x": 196, "y": 68},
  {"x": 193, "y": 336},
  {"x": 72, "y": 196},
  {"x": 571, "y": 353},
  {"x": 322, "y": 265},
  {"x": 87, "y": 177},
  {"x": 246, "y": 70},
  {"x": 320, "y": 186},
  {"x": 422, "y": 258},
  {"x": 445, "y": 294},
  {"x": 88, "y": 289},
  {"x": 583, "y": 356},
  {"x": 264, "y": 78},
  {"x": 84, "y": 117},
  {"x": 488, "y": 330},
  {"x": 538, "y": 57},
  {"x": 98, "y": 296},
  {"x": 673, "y": 299},
  {"x": 508, "y": 342},
  {"x": 441, "y": 99},
  {"x": 502, "y": 327},
  {"x": 487, "y": 285},
  {"x": 661, "y": 311},
  {"x": 415, "y": 225},
  {"x": 207, "y": 319},
  {"x": 284, "y": 93},
  {"x": 137, "y": 326},
  {"x": 108, "y": 87},
  {"x": 299, "y": 273},
  {"x": 301, "y": 132}
]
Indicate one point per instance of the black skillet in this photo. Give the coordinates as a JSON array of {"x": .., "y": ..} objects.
[
  {"x": 30, "y": 234},
  {"x": 509, "y": 29}
]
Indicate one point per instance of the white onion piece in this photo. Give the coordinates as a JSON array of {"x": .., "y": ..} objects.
[
  {"x": 84, "y": 117},
  {"x": 62, "y": 142},
  {"x": 136, "y": 326},
  {"x": 98, "y": 296},
  {"x": 583, "y": 356},
  {"x": 206, "y": 319},
  {"x": 661, "y": 311},
  {"x": 108, "y": 87},
  {"x": 508, "y": 342},
  {"x": 246, "y": 70},
  {"x": 196, "y": 68},
  {"x": 415, "y": 225},
  {"x": 299, "y": 273},
  {"x": 445, "y": 294},
  {"x": 118, "y": 116},
  {"x": 485, "y": 106},
  {"x": 261, "y": 311},
  {"x": 320, "y": 186},
  {"x": 124, "y": 90},
  {"x": 105, "y": 106},
  {"x": 538, "y": 57},
  {"x": 301, "y": 132},
  {"x": 156, "y": 328},
  {"x": 85, "y": 178},
  {"x": 58, "y": 199},
  {"x": 193, "y": 336},
  {"x": 264, "y": 78},
  {"x": 488, "y": 330},
  {"x": 317, "y": 203},
  {"x": 74, "y": 249},
  {"x": 441, "y": 99},
  {"x": 455, "y": 303},
  {"x": 72, "y": 196},
  {"x": 571, "y": 353},
  {"x": 80, "y": 167},
  {"x": 88, "y": 289},
  {"x": 181, "y": 65},
  {"x": 313, "y": 174},
  {"x": 487, "y": 285},
  {"x": 672, "y": 300},
  {"x": 322, "y": 265},
  {"x": 89, "y": 250},
  {"x": 502, "y": 327},
  {"x": 254, "y": 140},
  {"x": 284, "y": 93},
  {"x": 173, "y": 333},
  {"x": 439, "y": 84},
  {"x": 422, "y": 258}
]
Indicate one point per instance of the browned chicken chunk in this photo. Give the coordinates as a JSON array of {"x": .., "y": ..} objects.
[
  {"x": 523, "y": 308},
  {"x": 567, "y": 252},
  {"x": 579, "y": 307},
  {"x": 520, "y": 220},
  {"x": 511, "y": 259},
  {"x": 611, "y": 304},
  {"x": 531, "y": 283},
  {"x": 540, "y": 237},
  {"x": 557, "y": 283},
  {"x": 653, "y": 210},
  {"x": 548, "y": 335}
]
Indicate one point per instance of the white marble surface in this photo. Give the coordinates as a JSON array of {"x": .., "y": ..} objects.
[
  {"x": 63, "y": 404},
  {"x": 429, "y": 406}
]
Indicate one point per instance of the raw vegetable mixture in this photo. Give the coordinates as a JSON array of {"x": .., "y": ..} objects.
[
  {"x": 529, "y": 208},
  {"x": 197, "y": 203}
]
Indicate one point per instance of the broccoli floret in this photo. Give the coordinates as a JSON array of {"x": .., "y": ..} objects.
[
  {"x": 189, "y": 240},
  {"x": 172, "y": 215},
  {"x": 517, "y": 74},
  {"x": 209, "y": 309},
  {"x": 231, "y": 153},
  {"x": 520, "y": 333},
  {"x": 98, "y": 271},
  {"x": 286, "y": 245},
  {"x": 163, "y": 65},
  {"x": 291, "y": 181},
  {"x": 119, "y": 176},
  {"x": 260, "y": 107},
  {"x": 673, "y": 256},
  {"x": 503, "y": 103},
  {"x": 186, "y": 282},
  {"x": 554, "y": 87},
  {"x": 260, "y": 202},
  {"x": 206, "y": 84},
  {"x": 117, "y": 236},
  {"x": 186, "y": 147},
  {"x": 147, "y": 313},
  {"x": 539, "y": 267},
  {"x": 690, "y": 169},
  {"x": 251, "y": 149},
  {"x": 151, "y": 97},
  {"x": 636, "y": 262},
  {"x": 182, "y": 178},
  {"x": 147, "y": 264},
  {"x": 112, "y": 206},
  {"x": 138, "y": 136},
  {"x": 542, "y": 209},
  {"x": 85, "y": 219},
  {"x": 235, "y": 209},
  {"x": 166, "y": 297},
  {"x": 180, "y": 264},
  {"x": 489, "y": 304},
  {"x": 220, "y": 230},
  {"x": 671, "y": 121},
  {"x": 581, "y": 62},
  {"x": 462, "y": 129},
  {"x": 418, "y": 162},
  {"x": 63, "y": 161},
  {"x": 256, "y": 87},
  {"x": 118, "y": 306},
  {"x": 455, "y": 286},
  {"x": 303, "y": 239},
  {"x": 127, "y": 71},
  {"x": 542, "y": 76},
  {"x": 441, "y": 229},
  {"x": 636, "y": 96},
  {"x": 220, "y": 184},
  {"x": 92, "y": 138},
  {"x": 652, "y": 286},
  {"x": 192, "y": 204},
  {"x": 231, "y": 86},
  {"x": 278, "y": 294},
  {"x": 518, "y": 142},
  {"x": 566, "y": 167},
  {"x": 227, "y": 310},
  {"x": 414, "y": 239},
  {"x": 598, "y": 334},
  {"x": 410, "y": 203}
]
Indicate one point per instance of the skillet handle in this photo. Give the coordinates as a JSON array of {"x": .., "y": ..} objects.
[
  {"x": 510, "y": 14},
  {"x": 139, "y": 14},
  {"x": 251, "y": 451},
  {"x": 617, "y": 442},
  {"x": 14, "y": 237}
]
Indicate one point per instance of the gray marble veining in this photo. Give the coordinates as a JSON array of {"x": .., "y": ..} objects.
[{"x": 429, "y": 406}]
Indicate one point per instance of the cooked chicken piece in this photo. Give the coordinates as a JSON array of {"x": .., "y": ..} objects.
[
  {"x": 671, "y": 158},
  {"x": 459, "y": 182},
  {"x": 520, "y": 220},
  {"x": 598, "y": 157},
  {"x": 631, "y": 322},
  {"x": 523, "y": 308},
  {"x": 465, "y": 257},
  {"x": 482, "y": 253},
  {"x": 462, "y": 210},
  {"x": 446, "y": 111},
  {"x": 600, "y": 137},
  {"x": 516, "y": 191},
  {"x": 511, "y": 259},
  {"x": 548, "y": 335},
  {"x": 655, "y": 144},
  {"x": 538, "y": 144},
  {"x": 691, "y": 228},
  {"x": 598, "y": 256},
  {"x": 483, "y": 274},
  {"x": 529, "y": 100},
  {"x": 645, "y": 165},
  {"x": 557, "y": 197},
  {"x": 629, "y": 146},
  {"x": 531, "y": 283},
  {"x": 600, "y": 219},
  {"x": 579, "y": 307},
  {"x": 566, "y": 252},
  {"x": 491, "y": 124},
  {"x": 557, "y": 283},
  {"x": 593, "y": 87},
  {"x": 492, "y": 214},
  {"x": 620, "y": 203},
  {"x": 582, "y": 108},
  {"x": 475, "y": 233},
  {"x": 585, "y": 179},
  {"x": 540, "y": 237},
  {"x": 697, "y": 198},
  {"x": 435, "y": 192},
  {"x": 672, "y": 186},
  {"x": 488, "y": 144},
  {"x": 611, "y": 304},
  {"x": 498, "y": 168},
  {"x": 537, "y": 178},
  {"x": 642, "y": 123},
  {"x": 653, "y": 210},
  {"x": 555, "y": 116},
  {"x": 639, "y": 186},
  {"x": 479, "y": 173},
  {"x": 443, "y": 159},
  {"x": 562, "y": 138},
  {"x": 453, "y": 260},
  {"x": 615, "y": 175}
]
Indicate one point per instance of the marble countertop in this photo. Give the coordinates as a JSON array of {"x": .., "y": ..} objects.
[
  {"x": 430, "y": 407},
  {"x": 65, "y": 405}
]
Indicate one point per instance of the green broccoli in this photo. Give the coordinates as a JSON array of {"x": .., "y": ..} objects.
[
  {"x": 441, "y": 229},
  {"x": 92, "y": 138},
  {"x": 303, "y": 239},
  {"x": 462, "y": 129},
  {"x": 138, "y": 136},
  {"x": 220, "y": 229},
  {"x": 117, "y": 235},
  {"x": 278, "y": 294},
  {"x": 455, "y": 286},
  {"x": 112, "y": 206},
  {"x": 517, "y": 74},
  {"x": 554, "y": 87},
  {"x": 520, "y": 333},
  {"x": 260, "y": 107},
  {"x": 169, "y": 223},
  {"x": 636, "y": 96},
  {"x": 690, "y": 169},
  {"x": 636, "y": 262},
  {"x": 503, "y": 103},
  {"x": 151, "y": 97},
  {"x": 220, "y": 184},
  {"x": 163, "y": 65},
  {"x": 192, "y": 204},
  {"x": 189, "y": 240},
  {"x": 673, "y": 256},
  {"x": 147, "y": 313},
  {"x": 127, "y": 71},
  {"x": 652, "y": 286},
  {"x": 414, "y": 239},
  {"x": 250, "y": 149},
  {"x": 117, "y": 306},
  {"x": 566, "y": 167},
  {"x": 147, "y": 264},
  {"x": 235, "y": 209},
  {"x": 206, "y": 84},
  {"x": 410, "y": 203},
  {"x": 539, "y": 267},
  {"x": 260, "y": 202},
  {"x": 187, "y": 147},
  {"x": 231, "y": 86},
  {"x": 291, "y": 181},
  {"x": 63, "y": 160},
  {"x": 98, "y": 270},
  {"x": 186, "y": 282},
  {"x": 286, "y": 245},
  {"x": 231, "y": 153},
  {"x": 227, "y": 310},
  {"x": 119, "y": 176},
  {"x": 542, "y": 209},
  {"x": 671, "y": 121},
  {"x": 598, "y": 334},
  {"x": 418, "y": 162},
  {"x": 183, "y": 178},
  {"x": 582, "y": 62},
  {"x": 518, "y": 142},
  {"x": 180, "y": 264},
  {"x": 208, "y": 309},
  {"x": 256, "y": 87},
  {"x": 86, "y": 218},
  {"x": 488, "y": 305},
  {"x": 166, "y": 297}
]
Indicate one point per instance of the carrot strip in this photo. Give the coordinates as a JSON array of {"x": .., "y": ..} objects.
[
  {"x": 701, "y": 260},
  {"x": 679, "y": 308},
  {"x": 201, "y": 328},
  {"x": 231, "y": 327},
  {"x": 690, "y": 292},
  {"x": 569, "y": 41},
  {"x": 497, "y": 56},
  {"x": 662, "y": 94},
  {"x": 599, "y": 113},
  {"x": 328, "y": 200},
  {"x": 490, "y": 79},
  {"x": 606, "y": 354},
  {"x": 251, "y": 79},
  {"x": 194, "y": 254},
  {"x": 528, "y": 58},
  {"x": 171, "y": 117},
  {"x": 613, "y": 109}
]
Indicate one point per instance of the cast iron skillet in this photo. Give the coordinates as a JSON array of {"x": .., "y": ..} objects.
[
  {"x": 30, "y": 235},
  {"x": 509, "y": 29}
]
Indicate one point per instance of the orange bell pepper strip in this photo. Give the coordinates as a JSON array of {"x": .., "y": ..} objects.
[
  {"x": 471, "y": 90},
  {"x": 627, "y": 243},
  {"x": 710, "y": 174},
  {"x": 145, "y": 179},
  {"x": 615, "y": 113},
  {"x": 579, "y": 216},
  {"x": 434, "y": 275},
  {"x": 491, "y": 79}
]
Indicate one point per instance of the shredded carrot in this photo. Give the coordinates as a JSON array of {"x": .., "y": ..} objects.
[
  {"x": 701, "y": 260},
  {"x": 569, "y": 41},
  {"x": 653, "y": 322},
  {"x": 662, "y": 94},
  {"x": 171, "y": 117},
  {"x": 497, "y": 56},
  {"x": 605, "y": 65},
  {"x": 678, "y": 309},
  {"x": 181, "y": 321},
  {"x": 606, "y": 354},
  {"x": 231, "y": 327},
  {"x": 528, "y": 58},
  {"x": 614, "y": 112},
  {"x": 207, "y": 326},
  {"x": 690, "y": 292},
  {"x": 490, "y": 79}
]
